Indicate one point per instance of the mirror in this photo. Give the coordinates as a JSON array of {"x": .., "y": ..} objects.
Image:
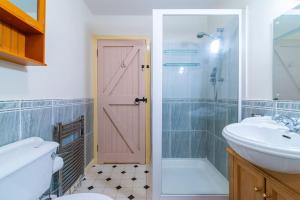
[
  {"x": 286, "y": 56},
  {"x": 30, "y": 7}
]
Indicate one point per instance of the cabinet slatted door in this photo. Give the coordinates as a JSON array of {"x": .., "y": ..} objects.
[
  {"x": 248, "y": 183},
  {"x": 276, "y": 191}
]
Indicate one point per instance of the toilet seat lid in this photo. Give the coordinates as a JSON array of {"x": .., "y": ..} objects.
[{"x": 85, "y": 196}]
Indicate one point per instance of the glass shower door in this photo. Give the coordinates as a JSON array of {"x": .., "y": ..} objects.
[{"x": 199, "y": 66}]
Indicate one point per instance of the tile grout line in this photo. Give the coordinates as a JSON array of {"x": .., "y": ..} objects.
[
  {"x": 20, "y": 120},
  {"x": 52, "y": 112}
]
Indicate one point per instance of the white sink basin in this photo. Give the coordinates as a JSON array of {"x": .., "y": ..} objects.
[
  {"x": 264, "y": 122},
  {"x": 272, "y": 148}
]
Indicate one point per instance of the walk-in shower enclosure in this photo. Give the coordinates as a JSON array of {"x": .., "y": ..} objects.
[{"x": 196, "y": 93}]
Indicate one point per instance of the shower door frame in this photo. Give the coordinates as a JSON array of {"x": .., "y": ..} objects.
[{"x": 157, "y": 52}]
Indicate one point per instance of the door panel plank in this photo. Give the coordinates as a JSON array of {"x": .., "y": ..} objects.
[
  {"x": 121, "y": 121},
  {"x": 124, "y": 67},
  {"x": 121, "y": 100},
  {"x": 119, "y": 126}
]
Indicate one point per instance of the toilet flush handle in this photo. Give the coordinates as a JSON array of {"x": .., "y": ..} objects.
[{"x": 53, "y": 155}]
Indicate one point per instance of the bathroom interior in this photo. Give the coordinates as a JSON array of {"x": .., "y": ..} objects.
[{"x": 149, "y": 100}]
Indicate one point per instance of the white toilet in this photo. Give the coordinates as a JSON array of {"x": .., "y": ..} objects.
[{"x": 26, "y": 168}]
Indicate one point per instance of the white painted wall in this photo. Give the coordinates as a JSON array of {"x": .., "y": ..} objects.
[
  {"x": 68, "y": 74},
  {"x": 122, "y": 25}
]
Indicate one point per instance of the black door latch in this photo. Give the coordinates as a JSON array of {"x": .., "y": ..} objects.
[{"x": 137, "y": 100}]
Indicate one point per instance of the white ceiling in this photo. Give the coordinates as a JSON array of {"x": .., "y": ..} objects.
[{"x": 144, "y": 7}]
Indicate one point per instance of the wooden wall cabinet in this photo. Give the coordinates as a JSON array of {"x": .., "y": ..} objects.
[
  {"x": 248, "y": 182},
  {"x": 22, "y": 37}
]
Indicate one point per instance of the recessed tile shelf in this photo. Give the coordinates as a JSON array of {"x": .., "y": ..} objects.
[
  {"x": 182, "y": 65},
  {"x": 181, "y": 51}
]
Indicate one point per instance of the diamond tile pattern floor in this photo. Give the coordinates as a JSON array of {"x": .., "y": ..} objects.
[{"x": 118, "y": 181}]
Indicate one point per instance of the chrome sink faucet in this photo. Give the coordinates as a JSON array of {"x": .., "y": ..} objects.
[{"x": 293, "y": 124}]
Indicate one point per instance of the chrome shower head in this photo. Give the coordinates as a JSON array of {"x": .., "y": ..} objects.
[{"x": 201, "y": 35}]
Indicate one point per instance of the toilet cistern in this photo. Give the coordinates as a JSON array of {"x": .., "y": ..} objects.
[{"x": 26, "y": 170}]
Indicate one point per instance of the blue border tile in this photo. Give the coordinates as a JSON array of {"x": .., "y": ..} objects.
[
  {"x": 31, "y": 104},
  {"x": 9, "y": 105}
]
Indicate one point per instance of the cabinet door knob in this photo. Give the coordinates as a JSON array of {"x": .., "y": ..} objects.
[
  {"x": 266, "y": 196},
  {"x": 257, "y": 189}
]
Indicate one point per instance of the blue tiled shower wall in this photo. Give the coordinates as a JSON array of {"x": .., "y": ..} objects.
[
  {"x": 270, "y": 108},
  {"x": 225, "y": 112},
  {"x": 192, "y": 128},
  {"x": 20, "y": 119}
]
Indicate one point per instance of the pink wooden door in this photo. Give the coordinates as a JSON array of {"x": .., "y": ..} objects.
[{"x": 121, "y": 120}]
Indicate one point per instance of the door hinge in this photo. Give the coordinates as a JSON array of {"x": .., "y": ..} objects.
[
  {"x": 97, "y": 148},
  {"x": 145, "y": 66},
  {"x": 97, "y": 52}
]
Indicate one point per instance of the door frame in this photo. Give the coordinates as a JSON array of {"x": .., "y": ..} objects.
[
  {"x": 94, "y": 72},
  {"x": 156, "y": 86}
]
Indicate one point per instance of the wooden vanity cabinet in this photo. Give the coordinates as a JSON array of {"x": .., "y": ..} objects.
[
  {"x": 249, "y": 182},
  {"x": 276, "y": 191}
]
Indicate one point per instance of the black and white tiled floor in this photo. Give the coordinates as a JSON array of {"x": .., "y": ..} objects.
[{"x": 119, "y": 181}]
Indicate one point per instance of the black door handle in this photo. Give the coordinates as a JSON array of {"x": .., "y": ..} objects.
[{"x": 137, "y": 100}]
